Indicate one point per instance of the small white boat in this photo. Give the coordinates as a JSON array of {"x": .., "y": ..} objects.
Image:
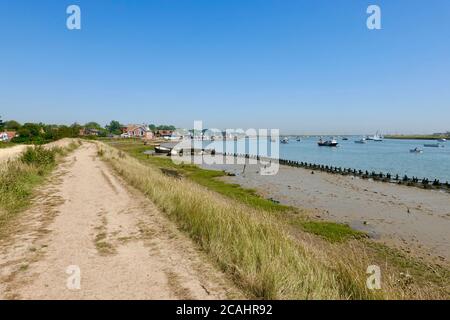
[
  {"x": 442, "y": 140},
  {"x": 162, "y": 149},
  {"x": 361, "y": 141},
  {"x": 416, "y": 150},
  {"x": 376, "y": 137},
  {"x": 285, "y": 141}
]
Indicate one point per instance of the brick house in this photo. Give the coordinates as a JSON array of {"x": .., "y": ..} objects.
[
  {"x": 7, "y": 135},
  {"x": 137, "y": 131}
]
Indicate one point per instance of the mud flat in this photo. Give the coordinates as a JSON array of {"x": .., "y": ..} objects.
[{"x": 415, "y": 220}]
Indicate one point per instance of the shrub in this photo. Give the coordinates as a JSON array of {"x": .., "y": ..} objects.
[{"x": 39, "y": 156}]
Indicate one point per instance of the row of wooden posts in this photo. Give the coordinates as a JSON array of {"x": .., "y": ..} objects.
[{"x": 364, "y": 174}]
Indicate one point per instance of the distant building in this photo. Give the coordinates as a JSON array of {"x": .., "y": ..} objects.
[
  {"x": 88, "y": 132},
  {"x": 137, "y": 131},
  {"x": 164, "y": 133},
  {"x": 7, "y": 136},
  {"x": 149, "y": 135}
]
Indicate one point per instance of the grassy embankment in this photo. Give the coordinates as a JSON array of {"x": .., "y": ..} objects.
[
  {"x": 18, "y": 179},
  {"x": 271, "y": 251}
]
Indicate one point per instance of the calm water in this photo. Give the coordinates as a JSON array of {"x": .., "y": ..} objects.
[{"x": 387, "y": 156}]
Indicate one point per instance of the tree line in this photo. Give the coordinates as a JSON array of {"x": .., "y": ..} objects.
[{"x": 39, "y": 133}]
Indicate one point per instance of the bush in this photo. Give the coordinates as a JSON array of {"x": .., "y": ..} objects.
[{"x": 38, "y": 156}]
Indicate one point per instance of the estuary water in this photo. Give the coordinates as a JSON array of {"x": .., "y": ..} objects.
[{"x": 387, "y": 156}]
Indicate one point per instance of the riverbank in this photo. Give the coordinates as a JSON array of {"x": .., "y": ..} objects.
[
  {"x": 195, "y": 198},
  {"x": 417, "y": 137},
  {"x": 415, "y": 220}
]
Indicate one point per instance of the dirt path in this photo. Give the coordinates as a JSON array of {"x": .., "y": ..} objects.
[{"x": 122, "y": 245}]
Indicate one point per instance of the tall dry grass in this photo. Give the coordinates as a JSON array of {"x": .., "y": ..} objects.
[{"x": 250, "y": 245}]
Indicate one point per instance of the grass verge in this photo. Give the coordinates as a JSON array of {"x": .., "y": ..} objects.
[
  {"x": 331, "y": 231},
  {"x": 7, "y": 145},
  {"x": 204, "y": 177},
  {"x": 254, "y": 247},
  {"x": 18, "y": 179}
]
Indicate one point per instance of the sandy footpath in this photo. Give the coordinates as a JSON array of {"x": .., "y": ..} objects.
[
  {"x": 410, "y": 218},
  {"x": 123, "y": 246}
]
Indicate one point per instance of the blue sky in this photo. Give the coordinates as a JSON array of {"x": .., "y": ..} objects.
[{"x": 301, "y": 66}]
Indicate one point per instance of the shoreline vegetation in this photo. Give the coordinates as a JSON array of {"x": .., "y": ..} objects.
[
  {"x": 20, "y": 177},
  {"x": 418, "y": 137},
  {"x": 271, "y": 251}
]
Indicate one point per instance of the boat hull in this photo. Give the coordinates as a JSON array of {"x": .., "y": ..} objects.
[
  {"x": 162, "y": 150},
  {"x": 327, "y": 144}
]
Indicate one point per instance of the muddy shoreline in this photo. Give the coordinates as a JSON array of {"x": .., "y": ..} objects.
[{"x": 412, "y": 219}]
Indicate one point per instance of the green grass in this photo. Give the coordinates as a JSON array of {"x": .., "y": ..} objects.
[
  {"x": 247, "y": 244},
  {"x": 16, "y": 184},
  {"x": 331, "y": 231},
  {"x": 256, "y": 246},
  {"x": 6, "y": 145},
  {"x": 204, "y": 177},
  {"x": 422, "y": 272}
]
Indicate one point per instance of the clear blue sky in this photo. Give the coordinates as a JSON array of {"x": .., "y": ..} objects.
[{"x": 307, "y": 66}]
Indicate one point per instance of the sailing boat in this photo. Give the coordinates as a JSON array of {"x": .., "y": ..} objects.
[{"x": 376, "y": 137}]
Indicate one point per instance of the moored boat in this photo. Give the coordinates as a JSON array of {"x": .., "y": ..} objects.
[
  {"x": 416, "y": 150},
  {"x": 432, "y": 145},
  {"x": 361, "y": 141},
  {"x": 327, "y": 143},
  {"x": 161, "y": 149},
  {"x": 376, "y": 137},
  {"x": 285, "y": 140}
]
